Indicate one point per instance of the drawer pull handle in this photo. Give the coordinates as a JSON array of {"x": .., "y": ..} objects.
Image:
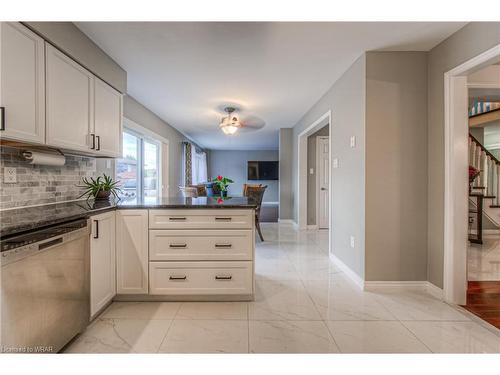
[
  {"x": 178, "y": 245},
  {"x": 223, "y": 277},
  {"x": 223, "y": 245},
  {"x": 177, "y": 277},
  {"x": 176, "y": 218},
  {"x": 223, "y": 218}
]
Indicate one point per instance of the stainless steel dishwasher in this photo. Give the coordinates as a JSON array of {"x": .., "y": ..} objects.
[{"x": 44, "y": 287}]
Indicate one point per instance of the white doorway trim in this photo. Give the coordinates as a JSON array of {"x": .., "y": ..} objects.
[
  {"x": 456, "y": 178},
  {"x": 318, "y": 187},
  {"x": 302, "y": 170}
]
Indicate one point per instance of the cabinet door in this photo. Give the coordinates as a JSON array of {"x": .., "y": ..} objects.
[
  {"x": 22, "y": 83},
  {"x": 102, "y": 261},
  {"x": 69, "y": 96},
  {"x": 132, "y": 251},
  {"x": 107, "y": 119}
]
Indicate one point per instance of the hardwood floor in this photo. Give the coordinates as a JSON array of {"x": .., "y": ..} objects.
[{"x": 483, "y": 300}]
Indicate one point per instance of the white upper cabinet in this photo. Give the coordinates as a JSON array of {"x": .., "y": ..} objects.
[
  {"x": 22, "y": 84},
  {"x": 70, "y": 102},
  {"x": 107, "y": 119},
  {"x": 102, "y": 261}
]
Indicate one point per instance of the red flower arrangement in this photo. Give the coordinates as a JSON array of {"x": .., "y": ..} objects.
[{"x": 221, "y": 183}]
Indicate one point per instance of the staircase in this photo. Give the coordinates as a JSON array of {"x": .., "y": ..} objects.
[{"x": 487, "y": 184}]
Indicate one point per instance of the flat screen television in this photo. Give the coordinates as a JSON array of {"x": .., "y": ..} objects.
[{"x": 263, "y": 170}]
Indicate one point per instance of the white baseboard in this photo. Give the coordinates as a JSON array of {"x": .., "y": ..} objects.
[
  {"x": 355, "y": 278},
  {"x": 288, "y": 221},
  {"x": 434, "y": 290},
  {"x": 405, "y": 285},
  {"x": 491, "y": 231}
]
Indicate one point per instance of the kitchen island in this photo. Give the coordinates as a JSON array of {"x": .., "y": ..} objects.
[
  {"x": 185, "y": 249},
  {"x": 166, "y": 249}
]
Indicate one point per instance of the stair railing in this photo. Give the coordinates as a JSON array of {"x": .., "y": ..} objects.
[{"x": 483, "y": 160}]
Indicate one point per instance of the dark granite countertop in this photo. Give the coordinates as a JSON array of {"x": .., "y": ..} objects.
[
  {"x": 181, "y": 202},
  {"x": 20, "y": 220}
]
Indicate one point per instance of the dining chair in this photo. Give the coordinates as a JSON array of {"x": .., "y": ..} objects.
[
  {"x": 188, "y": 191},
  {"x": 245, "y": 186},
  {"x": 256, "y": 193}
]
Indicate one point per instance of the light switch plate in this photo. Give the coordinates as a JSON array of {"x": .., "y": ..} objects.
[
  {"x": 352, "y": 242},
  {"x": 335, "y": 163},
  {"x": 353, "y": 141},
  {"x": 311, "y": 170},
  {"x": 9, "y": 175}
]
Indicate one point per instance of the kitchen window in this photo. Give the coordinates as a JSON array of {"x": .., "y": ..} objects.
[{"x": 139, "y": 169}]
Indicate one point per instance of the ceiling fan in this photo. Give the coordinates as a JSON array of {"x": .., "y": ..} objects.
[{"x": 231, "y": 123}]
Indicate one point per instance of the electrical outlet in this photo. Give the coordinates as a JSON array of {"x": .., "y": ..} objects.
[
  {"x": 353, "y": 141},
  {"x": 352, "y": 242},
  {"x": 335, "y": 163},
  {"x": 9, "y": 175}
]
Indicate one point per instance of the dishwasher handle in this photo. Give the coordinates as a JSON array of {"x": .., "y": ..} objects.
[{"x": 50, "y": 243}]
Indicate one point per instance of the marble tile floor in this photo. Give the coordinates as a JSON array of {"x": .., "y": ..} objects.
[
  {"x": 483, "y": 261},
  {"x": 303, "y": 304}
]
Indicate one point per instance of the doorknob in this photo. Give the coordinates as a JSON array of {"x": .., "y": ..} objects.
[{"x": 324, "y": 189}]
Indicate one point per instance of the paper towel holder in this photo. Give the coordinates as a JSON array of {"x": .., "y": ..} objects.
[{"x": 44, "y": 158}]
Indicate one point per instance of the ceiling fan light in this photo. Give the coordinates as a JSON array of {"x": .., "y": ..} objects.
[
  {"x": 230, "y": 124},
  {"x": 229, "y": 129}
]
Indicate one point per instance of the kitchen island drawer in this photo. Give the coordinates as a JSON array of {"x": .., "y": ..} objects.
[
  {"x": 201, "y": 244},
  {"x": 201, "y": 219},
  {"x": 201, "y": 278}
]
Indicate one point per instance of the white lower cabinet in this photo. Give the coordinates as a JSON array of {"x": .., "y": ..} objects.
[
  {"x": 201, "y": 278},
  {"x": 202, "y": 252},
  {"x": 102, "y": 261},
  {"x": 196, "y": 244},
  {"x": 132, "y": 253}
]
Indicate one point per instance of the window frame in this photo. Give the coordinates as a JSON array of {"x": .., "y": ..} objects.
[{"x": 141, "y": 138}]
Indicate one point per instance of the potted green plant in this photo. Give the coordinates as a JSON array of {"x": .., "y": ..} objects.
[
  {"x": 220, "y": 185},
  {"x": 99, "y": 188}
]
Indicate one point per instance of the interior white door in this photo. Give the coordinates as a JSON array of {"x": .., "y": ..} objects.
[
  {"x": 102, "y": 261},
  {"x": 22, "y": 83},
  {"x": 69, "y": 96},
  {"x": 323, "y": 168},
  {"x": 132, "y": 254},
  {"x": 107, "y": 119}
]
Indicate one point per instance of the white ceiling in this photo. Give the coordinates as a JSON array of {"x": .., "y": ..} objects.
[{"x": 274, "y": 72}]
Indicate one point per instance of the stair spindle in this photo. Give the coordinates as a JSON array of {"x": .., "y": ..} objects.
[{"x": 497, "y": 199}]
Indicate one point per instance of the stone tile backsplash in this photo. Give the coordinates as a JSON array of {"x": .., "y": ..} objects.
[{"x": 39, "y": 184}]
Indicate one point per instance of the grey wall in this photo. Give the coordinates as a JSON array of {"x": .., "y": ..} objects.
[
  {"x": 135, "y": 111},
  {"x": 233, "y": 164},
  {"x": 285, "y": 182},
  {"x": 346, "y": 100},
  {"x": 311, "y": 178},
  {"x": 468, "y": 42},
  {"x": 396, "y": 166},
  {"x": 478, "y": 133},
  {"x": 69, "y": 39}
]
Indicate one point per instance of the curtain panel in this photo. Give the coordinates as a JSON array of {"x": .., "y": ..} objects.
[{"x": 195, "y": 165}]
